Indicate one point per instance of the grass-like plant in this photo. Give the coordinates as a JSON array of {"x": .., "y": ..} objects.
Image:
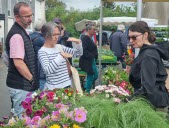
[{"x": 103, "y": 113}]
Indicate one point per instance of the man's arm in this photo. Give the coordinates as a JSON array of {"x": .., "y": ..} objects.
[{"x": 22, "y": 68}]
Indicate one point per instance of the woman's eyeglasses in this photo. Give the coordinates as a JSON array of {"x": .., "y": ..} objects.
[{"x": 134, "y": 37}]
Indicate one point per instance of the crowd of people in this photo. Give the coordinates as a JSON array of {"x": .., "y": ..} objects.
[{"x": 40, "y": 60}]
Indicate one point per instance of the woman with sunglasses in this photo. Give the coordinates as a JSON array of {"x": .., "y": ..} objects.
[{"x": 148, "y": 74}]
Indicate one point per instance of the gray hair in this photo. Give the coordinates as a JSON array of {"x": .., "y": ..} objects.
[
  {"x": 89, "y": 26},
  {"x": 48, "y": 28},
  {"x": 121, "y": 27},
  {"x": 38, "y": 25},
  {"x": 18, "y": 6}
]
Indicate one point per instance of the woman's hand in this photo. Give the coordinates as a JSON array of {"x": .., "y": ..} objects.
[
  {"x": 66, "y": 55},
  {"x": 72, "y": 39}
]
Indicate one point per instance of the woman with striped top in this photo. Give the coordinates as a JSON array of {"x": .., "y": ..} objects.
[{"x": 52, "y": 57}]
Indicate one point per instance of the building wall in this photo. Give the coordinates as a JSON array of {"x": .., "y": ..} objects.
[
  {"x": 157, "y": 10},
  {"x": 6, "y": 7}
]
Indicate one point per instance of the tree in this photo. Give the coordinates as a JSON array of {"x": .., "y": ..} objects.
[{"x": 54, "y": 4}]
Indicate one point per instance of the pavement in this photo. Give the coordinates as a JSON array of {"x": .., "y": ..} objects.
[{"x": 5, "y": 102}]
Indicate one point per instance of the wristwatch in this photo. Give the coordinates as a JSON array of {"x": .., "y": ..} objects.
[{"x": 31, "y": 81}]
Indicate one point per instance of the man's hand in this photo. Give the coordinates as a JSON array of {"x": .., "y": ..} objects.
[{"x": 22, "y": 68}]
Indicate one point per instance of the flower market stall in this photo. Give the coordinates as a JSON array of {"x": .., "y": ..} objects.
[{"x": 104, "y": 107}]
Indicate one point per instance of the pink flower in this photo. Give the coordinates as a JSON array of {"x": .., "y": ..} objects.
[
  {"x": 50, "y": 96},
  {"x": 60, "y": 105},
  {"x": 117, "y": 100},
  {"x": 44, "y": 120},
  {"x": 26, "y": 105},
  {"x": 27, "y": 120},
  {"x": 35, "y": 120},
  {"x": 80, "y": 116},
  {"x": 55, "y": 116}
]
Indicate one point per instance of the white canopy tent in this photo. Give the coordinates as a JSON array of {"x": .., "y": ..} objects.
[
  {"x": 109, "y": 21},
  {"x": 82, "y": 24},
  {"x": 113, "y": 21}
]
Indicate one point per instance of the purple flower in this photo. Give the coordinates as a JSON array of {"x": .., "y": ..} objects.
[
  {"x": 26, "y": 105},
  {"x": 28, "y": 111},
  {"x": 38, "y": 113},
  {"x": 28, "y": 100}
]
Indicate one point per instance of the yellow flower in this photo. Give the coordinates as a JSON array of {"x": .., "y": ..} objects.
[
  {"x": 75, "y": 126},
  {"x": 69, "y": 94},
  {"x": 55, "y": 126}
]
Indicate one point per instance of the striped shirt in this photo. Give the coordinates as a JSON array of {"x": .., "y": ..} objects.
[{"x": 54, "y": 65}]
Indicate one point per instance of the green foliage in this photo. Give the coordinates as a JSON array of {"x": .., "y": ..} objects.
[{"x": 55, "y": 8}]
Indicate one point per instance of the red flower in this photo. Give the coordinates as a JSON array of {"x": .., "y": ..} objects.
[
  {"x": 66, "y": 91},
  {"x": 28, "y": 111},
  {"x": 38, "y": 113},
  {"x": 50, "y": 96}
]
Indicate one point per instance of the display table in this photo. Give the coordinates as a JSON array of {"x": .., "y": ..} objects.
[
  {"x": 82, "y": 76},
  {"x": 108, "y": 63}
]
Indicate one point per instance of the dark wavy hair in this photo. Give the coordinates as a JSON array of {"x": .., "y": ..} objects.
[{"x": 142, "y": 27}]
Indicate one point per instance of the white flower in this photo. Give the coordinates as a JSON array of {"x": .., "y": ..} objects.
[
  {"x": 107, "y": 95},
  {"x": 113, "y": 71},
  {"x": 12, "y": 122},
  {"x": 34, "y": 94},
  {"x": 92, "y": 91},
  {"x": 109, "y": 91},
  {"x": 55, "y": 98},
  {"x": 66, "y": 97}
]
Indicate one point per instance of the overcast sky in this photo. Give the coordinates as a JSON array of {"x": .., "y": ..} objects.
[{"x": 84, "y": 5}]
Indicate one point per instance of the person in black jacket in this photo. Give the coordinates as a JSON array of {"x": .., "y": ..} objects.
[
  {"x": 22, "y": 75},
  {"x": 118, "y": 44},
  {"x": 38, "y": 41},
  {"x": 148, "y": 74},
  {"x": 87, "y": 61}
]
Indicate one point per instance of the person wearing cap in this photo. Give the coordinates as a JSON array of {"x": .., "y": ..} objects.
[
  {"x": 64, "y": 35},
  {"x": 38, "y": 41},
  {"x": 118, "y": 44}
]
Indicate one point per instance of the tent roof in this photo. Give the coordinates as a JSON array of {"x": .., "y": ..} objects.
[{"x": 126, "y": 21}]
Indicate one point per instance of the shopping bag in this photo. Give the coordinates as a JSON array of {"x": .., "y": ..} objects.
[
  {"x": 74, "y": 75},
  {"x": 76, "y": 80}
]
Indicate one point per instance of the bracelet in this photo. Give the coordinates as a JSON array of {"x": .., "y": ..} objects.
[{"x": 31, "y": 81}]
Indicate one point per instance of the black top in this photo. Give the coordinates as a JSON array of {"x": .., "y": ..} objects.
[
  {"x": 148, "y": 76},
  {"x": 89, "y": 53}
]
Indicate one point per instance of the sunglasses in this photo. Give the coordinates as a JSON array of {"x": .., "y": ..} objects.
[{"x": 134, "y": 37}]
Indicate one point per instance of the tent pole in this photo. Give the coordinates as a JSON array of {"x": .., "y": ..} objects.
[
  {"x": 139, "y": 15},
  {"x": 100, "y": 39}
]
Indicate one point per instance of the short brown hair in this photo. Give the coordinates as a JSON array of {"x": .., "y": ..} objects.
[{"x": 18, "y": 6}]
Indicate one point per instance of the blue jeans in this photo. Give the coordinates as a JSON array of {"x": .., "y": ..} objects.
[
  {"x": 42, "y": 83},
  {"x": 17, "y": 97},
  {"x": 91, "y": 77}
]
